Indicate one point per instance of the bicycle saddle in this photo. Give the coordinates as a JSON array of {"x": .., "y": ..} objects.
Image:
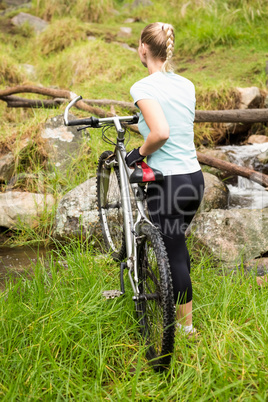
[{"x": 144, "y": 174}]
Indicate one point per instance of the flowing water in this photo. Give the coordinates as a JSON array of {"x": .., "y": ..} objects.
[
  {"x": 17, "y": 261},
  {"x": 246, "y": 193}
]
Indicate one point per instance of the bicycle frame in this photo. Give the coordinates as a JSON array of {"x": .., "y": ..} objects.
[{"x": 131, "y": 228}]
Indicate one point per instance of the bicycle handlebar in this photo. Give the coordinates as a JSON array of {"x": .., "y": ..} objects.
[{"x": 94, "y": 121}]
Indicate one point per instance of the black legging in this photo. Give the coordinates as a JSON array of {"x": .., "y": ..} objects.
[{"x": 172, "y": 205}]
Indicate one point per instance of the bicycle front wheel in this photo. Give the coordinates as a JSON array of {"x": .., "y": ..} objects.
[
  {"x": 155, "y": 306},
  {"x": 110, "y": 205}
]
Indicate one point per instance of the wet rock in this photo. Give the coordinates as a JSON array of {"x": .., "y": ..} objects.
[
  {"x": 263, "y": 157},
  {"x": 215, "y": 195},
  {"x": 36, "y": 23},
  {"x": 77, "y": 212},
  {"x": 230, "y": 235},
  {"x": 257, "y": 139},
  {"x": 7, "y": 166},
  {"x": 18, "y": 208},
  {"x": 62, "y": 143},
  {"x": 261, "y": 162}
]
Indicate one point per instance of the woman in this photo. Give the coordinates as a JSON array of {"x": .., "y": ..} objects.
[{"x": 167, "y": 105}]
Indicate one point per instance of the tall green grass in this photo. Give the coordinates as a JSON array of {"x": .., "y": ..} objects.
[{"x": 61, "y": 340}]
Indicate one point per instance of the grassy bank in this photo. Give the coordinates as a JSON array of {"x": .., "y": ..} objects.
[{"x": 61, "y": 340}]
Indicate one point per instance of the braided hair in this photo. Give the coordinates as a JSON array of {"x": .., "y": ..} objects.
[{"x": 160, "y": 39}]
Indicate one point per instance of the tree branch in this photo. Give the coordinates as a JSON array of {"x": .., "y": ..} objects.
[{"x": 233, "y": 169}]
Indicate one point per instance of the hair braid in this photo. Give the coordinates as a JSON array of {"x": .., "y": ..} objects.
[{"x": 168, "y": 29}]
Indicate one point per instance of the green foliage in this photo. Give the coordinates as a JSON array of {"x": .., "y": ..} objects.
[
  {"x": 207, "y": 24},
  {"x": 60, "y": 339},
  {"x": 60, "y": 35},
  {"x": 9, "y": 71},
  {"x": 84, "y": 65}
]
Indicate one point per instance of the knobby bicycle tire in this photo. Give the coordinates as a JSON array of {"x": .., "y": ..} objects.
[
  {"x": 110, "y": 206},
  {"x": 155, "y": 306}
]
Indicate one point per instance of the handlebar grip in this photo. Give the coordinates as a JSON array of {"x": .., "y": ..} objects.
[{"x": 91, "y": 122}]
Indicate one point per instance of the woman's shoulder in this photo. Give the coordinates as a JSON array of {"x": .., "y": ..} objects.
[
  {"x": 180, "y": 78},
  {"x": 141, "y": 82},
  {"x": 143, "y": 86}
]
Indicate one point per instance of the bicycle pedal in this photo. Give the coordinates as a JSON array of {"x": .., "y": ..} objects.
[{"x": 111, "y": 294}]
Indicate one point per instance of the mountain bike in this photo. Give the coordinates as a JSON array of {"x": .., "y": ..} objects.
[{"x": 132, "y": 239}]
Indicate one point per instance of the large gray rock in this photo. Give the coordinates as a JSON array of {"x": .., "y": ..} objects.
[
  {"x": 231, "y": 234},
  {"x": 77, "y": 212},
  {"x": 18, "y": 207},
  {"x": 215, "y": 195},
  {"x": 36, "y": 23},
  {"x": 63, "y": 143}
]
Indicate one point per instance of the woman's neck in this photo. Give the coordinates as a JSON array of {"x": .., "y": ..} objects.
[{"x": 154, "y": 66}]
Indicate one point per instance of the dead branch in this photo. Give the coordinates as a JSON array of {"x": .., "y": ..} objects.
[
  {"x": 233, "y": 169},
  {"x": 56, "y": 93},
  {"x": 223, "y": 116},
  {"x": 232, "y": 116},
  {"x": 15, "y": 101}
]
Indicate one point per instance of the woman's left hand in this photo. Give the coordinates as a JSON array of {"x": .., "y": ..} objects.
[{"x": 133, "y": 157}]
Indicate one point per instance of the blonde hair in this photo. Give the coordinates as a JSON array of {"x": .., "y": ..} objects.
[{"x": 160, "y": 38}]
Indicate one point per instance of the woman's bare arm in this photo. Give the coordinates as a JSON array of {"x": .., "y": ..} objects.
[{"x": 157, "y": 123}]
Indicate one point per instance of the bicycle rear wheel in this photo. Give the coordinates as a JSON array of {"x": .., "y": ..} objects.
[
  {"x": 155, "y": 306},
  {"x": 110, "y": 206}
]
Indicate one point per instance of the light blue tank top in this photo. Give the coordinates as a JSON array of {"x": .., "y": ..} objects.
[{"x": 176, "y": 95}]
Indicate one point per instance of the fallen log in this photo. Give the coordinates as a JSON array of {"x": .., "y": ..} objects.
[
  {"x": 15, "y": 101},
  {"x": 220, "y": 116},
  {"x": 233, "y": 169},
  {"x": 56, "y": 93},
  {"x": 232, "y": 116}
]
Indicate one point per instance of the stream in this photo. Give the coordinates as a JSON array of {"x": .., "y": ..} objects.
[
  {"x": 15, "y": 261},
  {"x": 246, "y": 193}
]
